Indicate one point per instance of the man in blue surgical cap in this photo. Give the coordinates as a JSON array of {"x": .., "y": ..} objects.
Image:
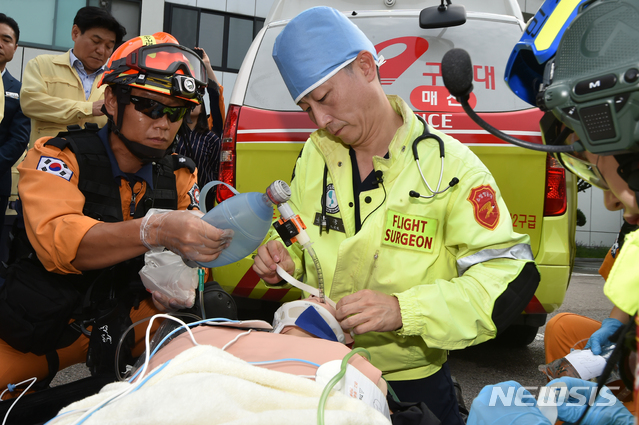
[{"x": 413, "y": 277}]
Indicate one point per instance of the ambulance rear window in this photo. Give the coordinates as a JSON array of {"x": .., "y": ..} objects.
[{"x": 413, "y": 57}]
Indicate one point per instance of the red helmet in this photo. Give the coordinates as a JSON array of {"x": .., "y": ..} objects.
[{"x": 158, "y": 63}]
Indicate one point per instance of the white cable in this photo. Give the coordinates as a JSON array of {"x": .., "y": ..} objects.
[
  {"x": 235, "y": 339},
  {"x": 33, "y": 381},
  {"x": 146, "y": 362},
  {"x": 574, "y": 347},
  {"x": 147, "y": 338},
  {"x": 303, "y": 286},
  {"x": 190, "y": 325},
  {"x": 149, "y": 356},
  {"x": 132, "y": 388}
]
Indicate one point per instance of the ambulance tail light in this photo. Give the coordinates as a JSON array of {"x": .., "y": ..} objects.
[
  {"x": 228, "y": 153},
  {"x": 555, "y": 202}
]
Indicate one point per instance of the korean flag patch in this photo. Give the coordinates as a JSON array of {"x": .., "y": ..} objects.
[{"x": 55, "y": 166}]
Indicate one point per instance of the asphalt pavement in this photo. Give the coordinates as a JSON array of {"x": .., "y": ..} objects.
[{"x": 490, "y": 363}]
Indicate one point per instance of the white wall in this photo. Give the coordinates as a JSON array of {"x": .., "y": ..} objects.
[
  {"x": 530, "y": 6},
  {"x": 257, "y": 8},
  {"x": 24, "y": 55},
  {"x": 152, "y": 16},
  {"x": 602, "y": 226},
  {"x": 15, "y": 66}
]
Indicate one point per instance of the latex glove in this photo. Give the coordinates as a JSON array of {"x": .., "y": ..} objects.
[
  {"x": 185, "y": 233},
  {"x": 483, "y": 412},
  {"x": 369, "y": 311},
  {"x": 599, "y": 340},
  {"x": 165, "y": 304},
  {"x": 606, "y": 410},
  {"x": 268, "y": 257},
  {"x": 165, "y": 272}
]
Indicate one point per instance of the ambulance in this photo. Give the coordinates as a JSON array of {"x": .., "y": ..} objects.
[{"x": 265, "y": 130}]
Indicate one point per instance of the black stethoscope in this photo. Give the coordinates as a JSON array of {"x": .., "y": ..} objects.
[{"x": 427, "y": 135}]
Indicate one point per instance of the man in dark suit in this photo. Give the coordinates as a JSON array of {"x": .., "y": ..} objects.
[{"x": 14, "y": 127}]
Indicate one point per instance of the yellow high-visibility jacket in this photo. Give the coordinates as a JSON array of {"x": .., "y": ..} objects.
[
  {"x": 622, "y": 285},
  {"x": 622, "y": 288},
  {"x": 446, "y": 259}
]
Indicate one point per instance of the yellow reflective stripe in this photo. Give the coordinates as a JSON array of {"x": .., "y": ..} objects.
[
  {"x": 554, "y": 24},
  {"x": 147, "y": 40}
]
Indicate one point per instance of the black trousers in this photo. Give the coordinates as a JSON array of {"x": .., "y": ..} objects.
[{"x": 437, "y": 391}]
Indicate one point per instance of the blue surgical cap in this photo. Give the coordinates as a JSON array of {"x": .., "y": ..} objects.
[{"x": 314, "y": 46}]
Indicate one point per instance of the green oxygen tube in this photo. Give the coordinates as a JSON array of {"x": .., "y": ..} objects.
[{"x": 200, "y": 273}]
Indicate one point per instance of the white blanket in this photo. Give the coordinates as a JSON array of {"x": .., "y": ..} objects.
[{"x": 205, "y": 385}]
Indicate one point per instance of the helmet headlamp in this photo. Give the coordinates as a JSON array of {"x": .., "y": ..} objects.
[{"x": 184, "y": 86}]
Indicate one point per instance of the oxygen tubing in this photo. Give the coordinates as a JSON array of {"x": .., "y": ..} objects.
[
  {"x": 329, "y": 386},
  {"x": 200, "y": 272}
]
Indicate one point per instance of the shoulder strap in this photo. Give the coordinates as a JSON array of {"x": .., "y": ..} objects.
[
  {"x": 58, "y": 142},
  {"x": 101, "y": 192},
  {"x": 181, "y": 161},
  {"x": 75, "y": 129},
  {"x": 164, "y": 195},
  {"x": 164, "y": 192},
  {"x": 61, "y": 141}
]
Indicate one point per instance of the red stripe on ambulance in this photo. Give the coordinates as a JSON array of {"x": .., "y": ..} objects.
[
  {"x": 259, "y": 126},
  {"x": 246, "y": 285}
]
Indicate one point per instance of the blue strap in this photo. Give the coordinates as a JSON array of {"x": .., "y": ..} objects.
[{"x": 311, "y": 321}]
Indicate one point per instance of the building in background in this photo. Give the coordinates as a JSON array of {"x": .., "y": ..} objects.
[{"x": 225, "y": 29}]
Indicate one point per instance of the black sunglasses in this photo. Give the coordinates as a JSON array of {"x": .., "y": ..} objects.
[{"x": 155, "y": 110}]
